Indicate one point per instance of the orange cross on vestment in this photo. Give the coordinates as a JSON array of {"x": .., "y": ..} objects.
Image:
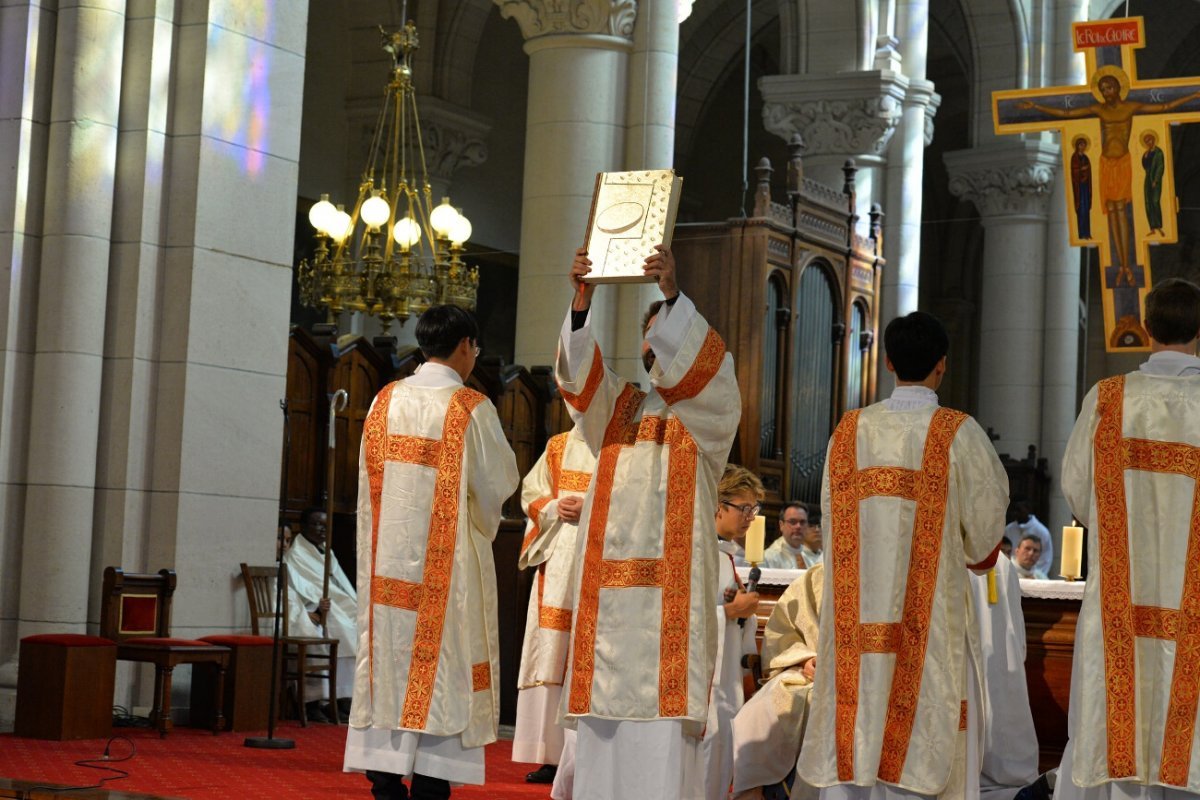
[
  {"x": 1122, "y": 620},
  {"x": 671, "y": 573},
  {"x": 1117, "y": 157}
]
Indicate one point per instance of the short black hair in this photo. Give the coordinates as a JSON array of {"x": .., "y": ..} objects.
[
  {"x": 915, "y": 343},
  {"x": 650, "y": 314},
  {"x": 309, "y": 513},
  {"x": 1173, "y": 311},
  {"x": 441, "y": 328}
]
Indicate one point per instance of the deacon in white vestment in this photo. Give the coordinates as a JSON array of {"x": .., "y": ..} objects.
[
  {"x": 434, "y": 472},
  {"x": 1131, "y": 474},
  {"x": 305, "y": 561},
  {"x": 768, "y": 730},
  {"x": 552, "y": 496},
  {"x": 644, "y": 637},
  {"x": 1026, "y": 524},
  {"x": 740, "y": 493},
  {"x": 1010, "y": 745},
  {"x": 914, "y": 495},
  {"x": 798, "y": 545}
]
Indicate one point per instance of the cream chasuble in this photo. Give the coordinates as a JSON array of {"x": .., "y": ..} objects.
[
  {"x": 306, "y": 583},
  {"x": 565, "y": 469},
  {"x": 434, "y": 471},
  {"x": 1131, "y": 474},
  {"x": 912, "y": 497},
  {"x": 768, "y": 730},
  {"x": 644, "y": 638}
]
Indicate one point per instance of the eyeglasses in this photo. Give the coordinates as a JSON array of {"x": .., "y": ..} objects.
[{"x": 745, "y": 511}]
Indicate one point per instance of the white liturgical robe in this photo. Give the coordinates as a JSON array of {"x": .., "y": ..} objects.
[
  {"x": 306, "y": 584},
  {"x": 1010, "y": 745},
  {"x": 768, "y": 730},
  {"x": 564, "y": 470},
  {"x": 644, "y": 637},
  {"x": 434, "y": 472},
  {"x": 727, "y": 693},
  {"x": 1130, "y": 474},
  {"x": 913, "y": 494},
  {"x": 781, "y": 555},
  {"x": 647, "y": 552}
]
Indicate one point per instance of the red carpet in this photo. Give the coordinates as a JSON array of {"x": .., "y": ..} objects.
[{"x": 191, "y": 763}]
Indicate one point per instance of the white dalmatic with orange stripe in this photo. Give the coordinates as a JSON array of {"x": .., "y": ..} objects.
[
  {"x": 644, "y": 638},
  {"x": 1131, "y": 474},
  {"x": 911, "y": 498},
  {"x": 564, "y": 470},
  {"x": 434, "y": 472}
]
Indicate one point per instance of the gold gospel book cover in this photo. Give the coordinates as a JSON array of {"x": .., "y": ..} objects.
[{"x": 631, "y": 213}]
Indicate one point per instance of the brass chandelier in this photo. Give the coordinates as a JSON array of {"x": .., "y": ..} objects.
[{"x": 408, "y": 254}]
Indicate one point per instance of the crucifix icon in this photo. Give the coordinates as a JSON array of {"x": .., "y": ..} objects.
[{"x": 1103, "y": 125}]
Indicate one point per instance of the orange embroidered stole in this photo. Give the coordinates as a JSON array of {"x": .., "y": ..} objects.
[
  {"x": 429, "y": 597},
  {"x": 552, "y": 617},
  {"x": 929, "y": 488},
  {"x": 1123, "y": 621},
  {"x": 671, "y": 573}
]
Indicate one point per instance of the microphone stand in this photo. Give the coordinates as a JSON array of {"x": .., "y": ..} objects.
[{"x": 269, "y": 742}]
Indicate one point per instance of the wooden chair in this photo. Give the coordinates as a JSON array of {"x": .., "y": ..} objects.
[
  {"x": 299, "y": 660},
  {"x": 135, "y": 612}
]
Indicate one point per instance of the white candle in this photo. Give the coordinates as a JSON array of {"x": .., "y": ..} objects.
[
  {"x": 755, "y": 538},
  {"x": 1072, "y": 552}
]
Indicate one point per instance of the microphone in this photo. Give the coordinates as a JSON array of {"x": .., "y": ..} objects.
[
  {"x": 752, "y": 579},
  {"x": 751, "y": 586}
]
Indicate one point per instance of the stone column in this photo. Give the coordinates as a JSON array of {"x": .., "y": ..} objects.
[
  {"x": 1010, "y": 184},
  {"x": 843, "y": 115},
  {"x": 80, "y": 162},
  {"x": 905, "y": 174},
  {"x": 649, "y": 144},
  {"x": 1061, "y": 349},
  {"x": 578, "y": 69}
]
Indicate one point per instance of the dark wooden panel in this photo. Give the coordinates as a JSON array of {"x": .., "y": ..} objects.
[
  {"x": 1050, "y": 638},
  {"x": 512, "y": 596}
]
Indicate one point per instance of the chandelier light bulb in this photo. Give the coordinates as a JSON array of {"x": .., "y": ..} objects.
[
  {"x": 340, "y": 227},
  {"x": 321, "y": 215},
  {"x": 461, "y": 230},
  {"x": 406, "y": 232},
  {"x": 375, "y": 211},
  {"x": 442, "y": 218}
]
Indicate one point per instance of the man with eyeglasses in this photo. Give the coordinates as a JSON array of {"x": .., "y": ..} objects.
[
  {"x": 799, "y": 543},
  {"x": 644, "y": 636},
  {"x": 914, "y": 496},
  {"x": 434, "y": 471},
  {"x": 740, "y": 491}
]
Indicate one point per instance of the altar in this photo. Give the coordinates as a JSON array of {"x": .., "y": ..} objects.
[{"x": 1050, "y": 608}]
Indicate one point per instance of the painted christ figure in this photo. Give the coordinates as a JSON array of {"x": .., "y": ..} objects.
[{"x": 1116, "y": 173}]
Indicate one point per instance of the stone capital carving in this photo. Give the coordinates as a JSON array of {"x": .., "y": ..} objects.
[
  {"x": 851, "y": 114},
  {"x": 452, "y": 136},
  {"x": 1005, "y": 180},
  {"x": 546, "y": 17}
]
